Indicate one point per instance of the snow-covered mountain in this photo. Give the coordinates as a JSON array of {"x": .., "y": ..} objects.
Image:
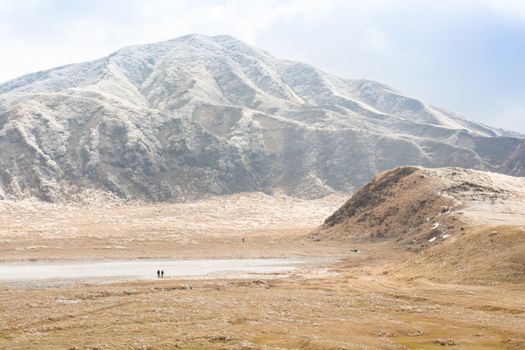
[{"x": 202, "y": 115}]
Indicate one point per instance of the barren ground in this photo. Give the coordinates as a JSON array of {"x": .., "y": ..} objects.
[
  {"x": 356, "y": 303},
  {"x": 211, "y": 228}
]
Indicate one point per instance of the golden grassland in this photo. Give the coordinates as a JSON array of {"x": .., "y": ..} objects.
[{"x": 464, "y": 293}]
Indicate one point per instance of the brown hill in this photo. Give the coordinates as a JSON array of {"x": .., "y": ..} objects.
[{"x": 463, "y": 224}]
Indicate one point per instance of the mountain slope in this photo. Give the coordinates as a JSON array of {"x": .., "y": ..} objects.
[
  {"x": 202, "y": 115},
  {"x": 463, "y": 224}
]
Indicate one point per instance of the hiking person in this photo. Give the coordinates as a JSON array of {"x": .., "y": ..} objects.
[
  {"x": 162, "y": 274},
  {"x": 158, "y": 273}
]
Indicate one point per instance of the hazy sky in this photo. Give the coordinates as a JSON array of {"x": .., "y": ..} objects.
[{"x": 467, "y": 56}]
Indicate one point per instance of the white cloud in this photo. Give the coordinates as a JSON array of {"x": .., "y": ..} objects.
[
  {"x": 349, "y": 38},
  {"x": 376, "y": 38},
  {"x": 95, "y": 33},
  {"x": 244, "y": 19},
  {"x": 515, "y": 8}
]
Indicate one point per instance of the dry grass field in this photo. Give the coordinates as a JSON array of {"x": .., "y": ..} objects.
[
  {"x": 379, "y": 297},
  {"x": 350, "y": 305},
  {"x": 211, "y": 228}
]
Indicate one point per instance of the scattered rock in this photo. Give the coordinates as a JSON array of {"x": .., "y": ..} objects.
[
  {"x": 445, "y": 342},
  {"x": 415, "y": 333},
  {"x": 219, "y": 338}
]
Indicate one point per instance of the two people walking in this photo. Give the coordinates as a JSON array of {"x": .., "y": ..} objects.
[{"x": 160, "y": 273}]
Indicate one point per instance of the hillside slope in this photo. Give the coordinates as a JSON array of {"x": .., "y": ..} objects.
[
  {"x": 462, "y": 224},
  {"x": 198, "y": 115}
]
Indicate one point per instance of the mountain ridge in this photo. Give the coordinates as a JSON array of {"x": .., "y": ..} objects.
[{"x": 198, "y": 115}]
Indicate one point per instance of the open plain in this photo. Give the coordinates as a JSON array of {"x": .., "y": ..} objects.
[{"x": 354, "y": 294}]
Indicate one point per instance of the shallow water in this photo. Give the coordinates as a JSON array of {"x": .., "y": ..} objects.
[{"x": 144, "y": 269}]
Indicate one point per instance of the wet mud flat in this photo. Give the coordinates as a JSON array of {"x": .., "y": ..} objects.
[{"x": 45, "y": 273}]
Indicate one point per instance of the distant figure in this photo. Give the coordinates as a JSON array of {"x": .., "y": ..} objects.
[
  {"x": 243, "y": 240},
  {"x": 162, "y": 274},
  {"x": 158, "y": 273}
]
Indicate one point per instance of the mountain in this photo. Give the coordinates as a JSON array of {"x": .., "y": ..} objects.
[
  {"x": 199, "y": 115},
  {"x": 461, "y": 223}
]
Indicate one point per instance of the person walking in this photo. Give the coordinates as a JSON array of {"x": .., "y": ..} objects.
[
  {"x": 162, "y": 274},
  {"x": 158, "y": 273}
]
